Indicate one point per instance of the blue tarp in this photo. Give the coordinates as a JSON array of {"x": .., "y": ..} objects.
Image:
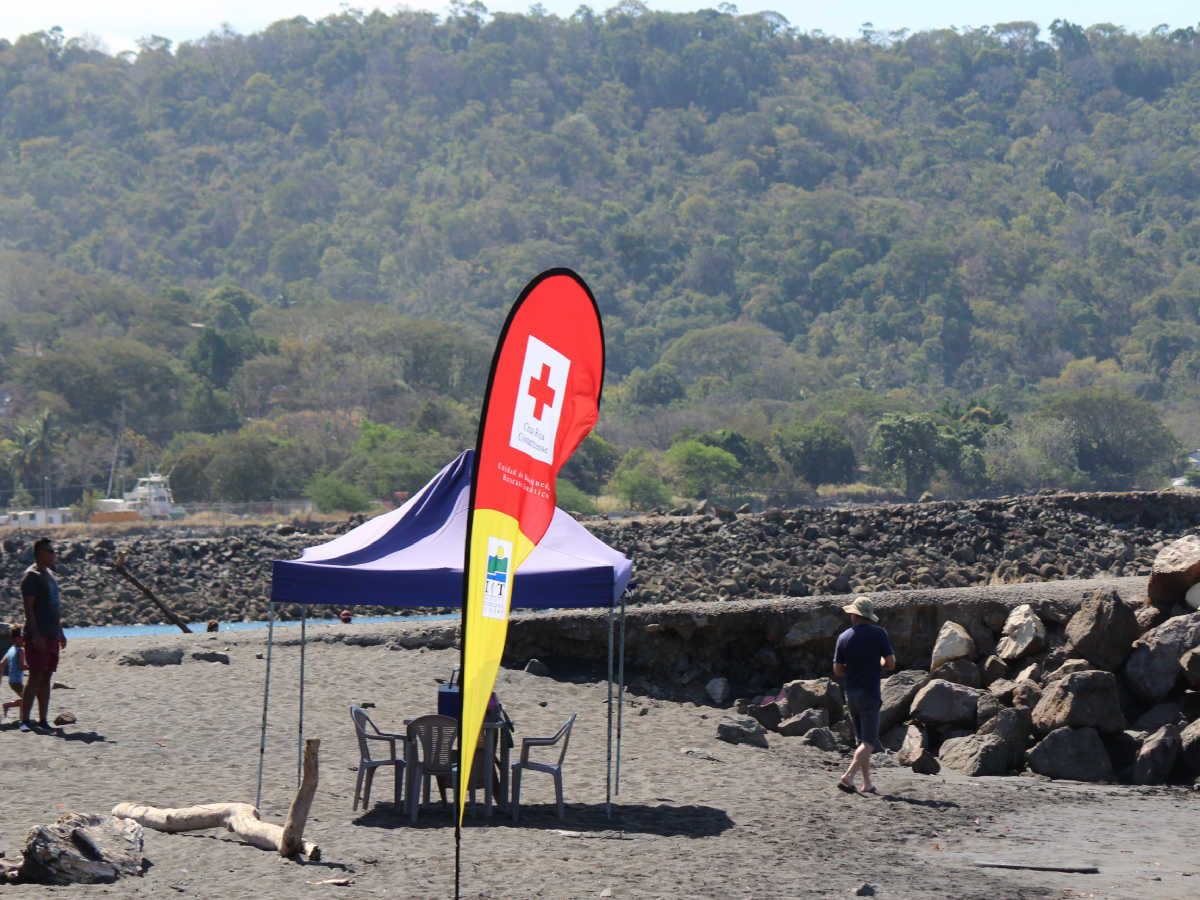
[{"x": 413, "y": 556}]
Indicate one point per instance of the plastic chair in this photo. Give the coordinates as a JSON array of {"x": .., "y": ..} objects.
[
  {"x": 432, "y": 741},
  {"x": 366, "y": 732},
  {"x": 552, "y": 769}
]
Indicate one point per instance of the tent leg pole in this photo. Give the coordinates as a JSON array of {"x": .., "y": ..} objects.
[
  {"x": 608, "y": 773},
  {"x": 303, "y": 644},
  {"x": 262, "y": 738},
  {"x": 620, "y": 693}
]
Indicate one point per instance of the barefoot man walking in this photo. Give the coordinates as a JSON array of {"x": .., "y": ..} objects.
[{"x": 862, "y": 651}]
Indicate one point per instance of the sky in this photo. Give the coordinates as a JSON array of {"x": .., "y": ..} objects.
[{"x": 118, "y": 24}]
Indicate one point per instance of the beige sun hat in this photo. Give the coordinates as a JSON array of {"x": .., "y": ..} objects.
[{"x": 862, "y": 607}]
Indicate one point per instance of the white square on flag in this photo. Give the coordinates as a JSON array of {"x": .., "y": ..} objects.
[
  {"x": 497, "y": 578},
  {"x": 540, "y": 396}
]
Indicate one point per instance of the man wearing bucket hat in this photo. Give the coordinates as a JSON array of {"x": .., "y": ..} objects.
[{"x": 863, "y": 651}]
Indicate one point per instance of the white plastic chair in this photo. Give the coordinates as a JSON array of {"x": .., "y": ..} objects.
[
  {"x": 366, "y": 731},
  {"x": 552, "y": 769}
]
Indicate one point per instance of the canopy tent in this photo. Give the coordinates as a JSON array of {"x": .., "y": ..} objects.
[{"x": 413, "y": 557}]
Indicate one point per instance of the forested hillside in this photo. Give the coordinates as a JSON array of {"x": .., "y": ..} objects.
[{"x": 276, "y": 263}]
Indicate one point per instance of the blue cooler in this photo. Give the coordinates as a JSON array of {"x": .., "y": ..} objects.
[{"x": 450, "y": 701}]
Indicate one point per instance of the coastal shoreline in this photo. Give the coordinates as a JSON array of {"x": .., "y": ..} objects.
[{"x": 695, "y": 816}]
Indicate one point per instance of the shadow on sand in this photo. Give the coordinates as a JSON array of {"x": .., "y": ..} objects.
[
  {"x": 933, "y": 804},
  {"x": 83, "y": 737},
  {"x": 584, "y": 819}
]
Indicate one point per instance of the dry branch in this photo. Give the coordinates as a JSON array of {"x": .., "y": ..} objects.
[
  {"x": 293, "y": 829},
  {"x": 119, "y": 568}
]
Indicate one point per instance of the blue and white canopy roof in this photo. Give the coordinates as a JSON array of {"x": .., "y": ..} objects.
[{"x": 413, "y": 556}]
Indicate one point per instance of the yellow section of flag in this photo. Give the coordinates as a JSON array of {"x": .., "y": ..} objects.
[{"x": 497, "y": 550}]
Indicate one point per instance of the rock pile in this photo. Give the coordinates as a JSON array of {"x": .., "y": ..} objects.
[
  {"x": 225, "y": 573},
  {"x": 1101, "y": 697},
  {"x": 811, "y": 550},
  {"x": 200, "y": 573}
]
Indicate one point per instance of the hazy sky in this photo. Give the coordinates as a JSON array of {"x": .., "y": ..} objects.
[{"x": 119, "y": 23}]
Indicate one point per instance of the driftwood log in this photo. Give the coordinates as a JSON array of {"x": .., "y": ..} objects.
[{"x": 241, "y": 818}]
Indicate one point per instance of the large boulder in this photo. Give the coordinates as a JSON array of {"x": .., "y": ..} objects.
[
  {"x": 1013, "y": 727},
  {"x": 916, "y": 742},
  {"x": 1103, "y": 629},
  {"x": 1176, "y": 568},
  {"x": 742, "y": 731},
  {"x": 993, "y": 669},
  {"x": 986, "y": 706},
  {"x": 1153, "y": 665},
  {"x": 975, "y": 754},
  {"x": 942, "y": 704},
  {"x": 1002, "y": 690},
  {"x": 1072, "y": 753},
  {"x": 1157, "y": 757},
  {"x": 83, "y": 849},
  {"x": 1023, "y": 634},
  {"x": 1123, "y": 748},
  {"x": 897, "y": 692},
  {"x": 815, "y": 692},
  {"x": 1069, "y": 666},
  {"x": 952, "y": 642},
  {"x": 152, "y": 656},
  {"x": 959, "y": 671},
  {"x": 804, "y": 722},
  {"x": 768, "y": 715},
  {"x": 926, "y": 764},
  {"x": 821, "y": 738},
  {"x": 1189, "y": 748},
  {"x": 1166, "y": 713},
  {"x": 1190, "y": 664},
  {"x": 1026, "y": 693},
  {"x": 1079, "y": 700}
]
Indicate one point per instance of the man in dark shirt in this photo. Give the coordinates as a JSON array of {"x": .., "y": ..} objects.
[
  {"x": 862, "y": 651},
  {"x": 43, "y": 632}
]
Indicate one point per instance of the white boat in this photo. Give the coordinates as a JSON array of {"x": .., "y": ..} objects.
[{"x": 150, "y": 499}]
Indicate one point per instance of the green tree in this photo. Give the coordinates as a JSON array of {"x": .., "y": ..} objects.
[
  {"x": 657, "y": 386},
  {"x": 591, "y": 465},
  {"x": 908, "y": 449},
  {"x": 329, "y": 494},
  {"x": 1120, "y": 440},
  {"x": 572, "y": 499},
  {"x": 819, "y": 452},
  {"x": 753, "y": 457},
  {"x": 242, "y": 467},
  {"x": 638, "y": 481},
  {"x": 698, "y": 468}
]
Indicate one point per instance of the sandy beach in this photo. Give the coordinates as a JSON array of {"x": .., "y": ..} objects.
[{"x": 696, "y": 817}]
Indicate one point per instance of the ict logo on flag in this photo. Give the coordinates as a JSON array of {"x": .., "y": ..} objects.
[
  {"x": 498, "y": 578},
  {"x": 540, "y": 395}
]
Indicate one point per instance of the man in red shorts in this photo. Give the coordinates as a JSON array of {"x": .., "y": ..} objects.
[{"x": 43, "y": 632}]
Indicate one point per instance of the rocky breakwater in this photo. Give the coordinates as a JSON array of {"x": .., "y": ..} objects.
[
  {"x": 200, "y": 573},
  {"x": 225, "y": 573},
  {"x": 812, "y": 550},
  {"x": 1110, "y": 694}
]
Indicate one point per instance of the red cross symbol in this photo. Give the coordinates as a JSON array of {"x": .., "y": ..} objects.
[{"x": 541, "y": 392}]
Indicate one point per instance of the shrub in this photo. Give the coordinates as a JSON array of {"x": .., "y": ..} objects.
[{"x": 329, "y": 493}]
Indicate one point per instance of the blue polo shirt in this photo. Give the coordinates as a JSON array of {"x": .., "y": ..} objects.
[{"x": 859, "y": 648}]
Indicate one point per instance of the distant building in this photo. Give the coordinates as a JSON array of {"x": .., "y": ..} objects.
[{"x": 37, "y": 517}]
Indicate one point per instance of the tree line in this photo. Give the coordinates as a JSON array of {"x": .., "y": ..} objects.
[{"x": 963, "y": 261}]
